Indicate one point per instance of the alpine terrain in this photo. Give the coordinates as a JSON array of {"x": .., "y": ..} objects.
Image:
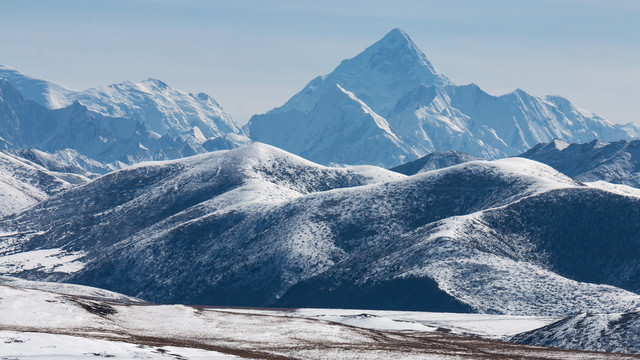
[
  {"x": 45, "y": 321},
  {"x": 150, "y": 119},
  {"x": 615, "y": 332},
  {"x": 434, "y": 161},
  {"x": 257, "y": 226},
  {"x": 79, "y": 136},
  {"x": 391, "y": 106},
  {"x": 617, "y": 162},
  {"x": 24, "y": 182},
  {"x": 382, "y": 212}
]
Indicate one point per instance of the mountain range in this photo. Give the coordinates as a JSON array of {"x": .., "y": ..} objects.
[
  {"x": 161, "y": 108},
  {"x": 392, "y": 106},
  {"x": 616, "y": 162},
  {"x": 277, "y": 230},
  {"x": 386, "y": 106},
  {"x": 614, "y": 165},
  {"x": 109, "y": 127},
  {"x": 151, "y": 192},
  {"x": 83, "y": 137}
]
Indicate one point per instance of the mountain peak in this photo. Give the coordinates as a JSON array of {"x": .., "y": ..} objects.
[
  {"x": 378, "y": 76},
  {"x": 399, "y": 40},
  {"x": 396, "y": 35},
  {"x": 396, "y": 52},
  {"x": 158, "y": 83}
]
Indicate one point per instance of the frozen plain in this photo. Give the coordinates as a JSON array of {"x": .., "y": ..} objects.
[{"x": 43, "y": 321}]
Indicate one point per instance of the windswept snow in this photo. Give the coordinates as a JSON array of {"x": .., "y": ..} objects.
[
  {"x": 46, "y": 260},
  {"x": 39, "y": 324},
  {"x": 483, "y": 325},
  {"x": 69, "y": 289},
  {"x": 42, "y": 346}
]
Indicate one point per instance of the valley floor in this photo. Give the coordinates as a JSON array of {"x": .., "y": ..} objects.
[{"x": 43, "y": 324}]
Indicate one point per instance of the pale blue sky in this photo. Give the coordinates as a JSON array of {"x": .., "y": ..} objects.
[{"x": 253, "y": 55}]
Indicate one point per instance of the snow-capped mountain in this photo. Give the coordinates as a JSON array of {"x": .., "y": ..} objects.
[
  {"x": 42, "y": 92},
  {"x": 617, "y": 162},
  {"x": 594, "y": 332},
  {"x": 159, "y": 107},
  {"x": 341, "y": 129},
  {"x": 258, "y": 226},
  {"x": 65, "y": 160},
  {"x": 434, "y": 161},
  {"x": 24, "y": 182},
  {"x": 82, "y": 137},
  {"x": 423, "y": 111},
  {"x": 379, "y": 76}
]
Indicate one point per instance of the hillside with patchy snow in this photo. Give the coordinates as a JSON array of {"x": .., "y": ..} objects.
[
  {"x": 42, "y": 324},
  {"x": 616, "y": 332},
  {"x": 24, "y": 183},
  {"x": 277, "y": 230},
  {"x": 616, "y": 162},
  {"x": 434, "y": 161}
]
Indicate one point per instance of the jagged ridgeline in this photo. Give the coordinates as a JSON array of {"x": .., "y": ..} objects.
[
  {"x": 109, "y": 127},
  {"x": 260, "y": 226},
  {"x": 386, "y": 106},
  {"x": 390, "y": 105}
]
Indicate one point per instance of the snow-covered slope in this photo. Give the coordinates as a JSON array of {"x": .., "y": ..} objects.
[
  {"x": 616, "y": 332},
  {"x": 65, "y": 161},
  {"x": 341, "y": 129},
  {"x": 37, "y": 324},
  {"x": 51, "y": 162},
  {"x": 379, "y": 75},
  {"x": 68, "y": 289},
  {"x": 258, "y": 226},
  {"x": 41, "y": 91},
  {"x": 468, "y": 119},
  {"x": 82, "y": 137},
  {"x": 161, "y": 108},
  {"x": 424, "y": 112},
  {"x": 33, "y": 345},
  {"x": 617, "y": 162},
  {"x": 434, "y": 161},
  {"x": 24, "y": 183}
]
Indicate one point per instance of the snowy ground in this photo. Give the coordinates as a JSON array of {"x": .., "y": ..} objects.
[
  {"x": 46, "y": 324},
  {"x": 42, "y": 346},
  {"x": 47, "y": 260},
  {"x": 486, "y": 326}
]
